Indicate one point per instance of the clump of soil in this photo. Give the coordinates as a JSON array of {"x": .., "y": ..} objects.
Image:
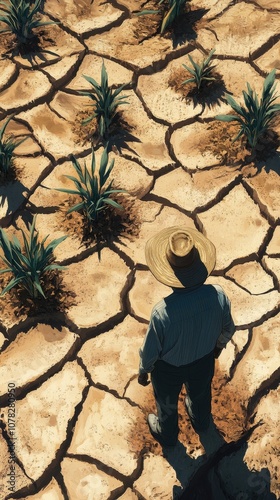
[
  {"x": 83, "y": 8},
  {"x": 118, "y": 133},
  {"x": 34, "y": 47},
  {"x": 209, "y": 93},
  {"x": 147, "y": 25},
  {"x": 239, "y": 152},
  {"x": 111, "y": 224},
  {"x": 221, "y": 144},
  {"x": 18, "y": 303},
  {"x": 84, "y": 133},
  {"x": 175, "y": 82}
]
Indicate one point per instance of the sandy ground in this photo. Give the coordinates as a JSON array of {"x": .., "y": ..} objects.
[{"x": 73, "y": 418}]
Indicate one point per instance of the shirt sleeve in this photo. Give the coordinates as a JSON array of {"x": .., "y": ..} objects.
[
  {"x": 228, "y": 326},
  {"x": 152, "y": 347}
]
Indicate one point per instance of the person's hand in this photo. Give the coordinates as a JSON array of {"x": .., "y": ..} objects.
[{"x": 143, "y": 379}]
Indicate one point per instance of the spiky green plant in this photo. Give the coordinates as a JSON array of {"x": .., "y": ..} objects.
[
  {"x": 30, "y": 263},
  {"x": 105, "y": 102},
  {"x": 256, "y": 116},
  {"x": 21, "y": 18},
  {"x": 174, "y": 9},
  {"x": 201, "y": 72},
  {"x": 7, "y": 147},
  {"x": 91, "y": 187}
]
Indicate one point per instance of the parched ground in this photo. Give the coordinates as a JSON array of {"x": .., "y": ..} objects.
[{"x": 80, "y": 428}]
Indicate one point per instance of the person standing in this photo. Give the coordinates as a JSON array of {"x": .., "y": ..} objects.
[{"x": 187, "y": 330}]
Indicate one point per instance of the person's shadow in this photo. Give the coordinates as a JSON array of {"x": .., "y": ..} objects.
[{"x": 220, "y": 474}]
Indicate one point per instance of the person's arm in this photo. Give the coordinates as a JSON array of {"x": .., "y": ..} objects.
[
  {"x": 150, "y": 350},
  {"x": 228, "y": 328}
]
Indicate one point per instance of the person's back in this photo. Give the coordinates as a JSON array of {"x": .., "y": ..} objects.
[
  {"x": 187, "y": 330},
  {"x": 189, "y": 322}
]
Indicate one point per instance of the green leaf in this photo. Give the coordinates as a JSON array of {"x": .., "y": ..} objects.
[
  {"x": 53, "y": 267},
  {"x": 104, "y": 76},
  {"x": 3, "y": 271},
  {"x": 233, "y": 104},
  {"x": 191, "y": 71},
  {"x": 269, "y": 81},
  {"x": 113, "y": 203},
  {"x": 227, "y": 118},
  {"x": 11, "y": 284},
  {"x": 146, "y": 12},
  {"x": 37, "y": 285},
  {"x": 238, "y": 135},
  {"x": 189, "y": 80},
  {"x": 92, "y": 82},
  {"x": 168, "y": 19},
  {"x": 2, "y": 130},
  {"x": 76, "y": 208},
  {"x": 208, "y": 78},
  {"x": 195, "y": 65},
  {"x": 208, "y": 59},
  {"x": 69, "y": 191},
  {"x": 54, "y": 243}
]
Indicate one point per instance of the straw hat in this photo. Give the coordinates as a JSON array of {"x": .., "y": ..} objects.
[{"x": 180, "y": 257}]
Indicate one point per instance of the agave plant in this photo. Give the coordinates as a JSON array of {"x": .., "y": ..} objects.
[
  {"x": 7, "y": 147},
  {"x": 106, "y": 102},
  {"x": 29, "y": 264},
  {"x": 174, "y": 10},
  {"x": 91, "y": 187},
  {"x": 201, "y": 72},
  {"x": 20, "y": 16},
  {"x": 255, "y": 117}
]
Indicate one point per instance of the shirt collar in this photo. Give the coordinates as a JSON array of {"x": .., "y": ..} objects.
[{"x": 187, "y": 290}]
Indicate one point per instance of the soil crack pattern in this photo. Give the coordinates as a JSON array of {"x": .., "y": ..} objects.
[{"x": 72, "y": 357}]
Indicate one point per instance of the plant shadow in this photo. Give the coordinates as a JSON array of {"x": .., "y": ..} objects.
[
  {"x": 183, "y": 29},
  {"x": 112, "y": 225},
  {"x": 269, "y": 165},
  {"x": 210, "y": 93},
  {"x": 32, "y": 51},
  {"x": 58, "y": 298},
  {"x": 119, "y": 136},
  {"x": 267, "y": 154}
]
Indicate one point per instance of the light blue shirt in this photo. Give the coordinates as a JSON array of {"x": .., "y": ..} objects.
[{"x": 187, "y": 325}]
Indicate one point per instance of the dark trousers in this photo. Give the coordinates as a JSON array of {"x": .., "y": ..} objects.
[{"x": 167, "y": 381}]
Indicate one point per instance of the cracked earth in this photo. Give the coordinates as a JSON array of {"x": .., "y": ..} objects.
[{"x": 80, "y": 428}]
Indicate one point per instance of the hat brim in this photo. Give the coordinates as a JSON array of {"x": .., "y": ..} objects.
[{"x": 183, "y": 277}]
